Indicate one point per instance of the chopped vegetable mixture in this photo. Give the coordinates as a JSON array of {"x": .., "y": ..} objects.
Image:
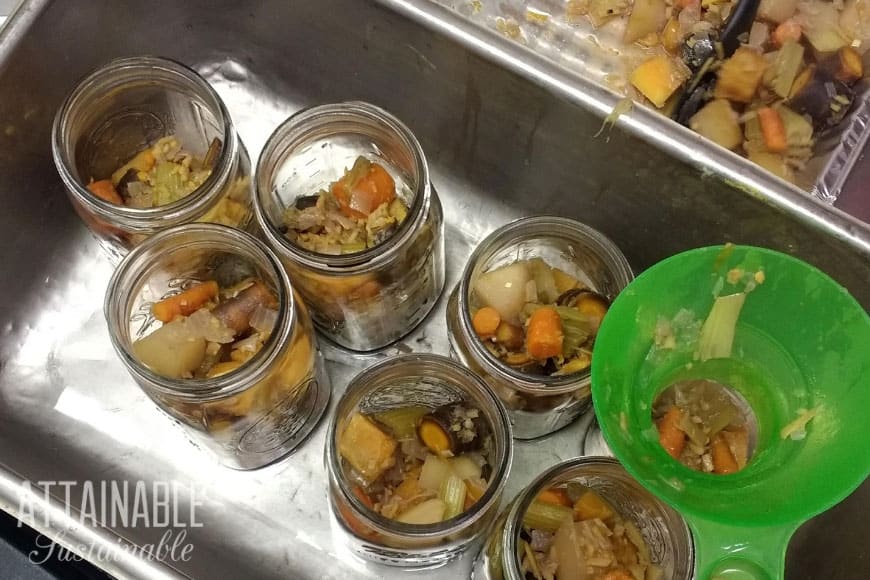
[
  {"x": 159, "y": 175},
  {"x": 572, "y": 533},
  {"x": 793, "y": 76},
  {"x": 537, "y": 318},
  {"x": 359, "y": 211},
  {"x": 700, "y": 424},
  {"x": 207, "y": 330},
  {"x": 417, "y": 465}
]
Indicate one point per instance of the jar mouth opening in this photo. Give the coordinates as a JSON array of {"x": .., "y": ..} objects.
[
  {"x": 292, "y": 136},
  {"x": 132, "y": 273},
  {"x": 129, "y": 75},
  {"x": 604, "y": 468},
  {"x": 443, "y": 366},
  {"x": 590, "y": 240}
]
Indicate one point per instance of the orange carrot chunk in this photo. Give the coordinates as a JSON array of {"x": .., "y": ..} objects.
[
  {"x": 486, "y": 321},
  {"x": 544, "y": 336},
  {"x": 554, "y": 497},
  {"x": 671, "y": 436},
  {"x": 788, "y": 30},
  {"x": 351, "y": 520},
  {"x": 105, "y": 191},
  {"x": 772, "y": 130},
  {"x": 723, "y": 461},
  {"x": 373, "y": 189},
  {"x": 186, "y": 303}
]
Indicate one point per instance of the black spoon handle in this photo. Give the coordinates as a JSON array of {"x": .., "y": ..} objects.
[{"x": 739, "y": 22}]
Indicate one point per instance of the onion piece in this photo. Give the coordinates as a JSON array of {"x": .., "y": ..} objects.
[
  {"x": 263, "y": 319},
  {"x": 203, "y": 323},
  {"x": 250, "y": 344},
  {"x": 758, "y": 34}
]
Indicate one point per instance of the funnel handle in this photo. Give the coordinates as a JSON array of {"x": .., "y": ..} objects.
[{"x": 724, "y": 552}]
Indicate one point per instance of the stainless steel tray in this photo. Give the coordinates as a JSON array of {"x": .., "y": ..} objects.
[
  {"x": 545, "y": 27},
  {"x": 501, "y": 145}
]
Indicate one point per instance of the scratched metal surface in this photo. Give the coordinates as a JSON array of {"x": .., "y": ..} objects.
[{"x": 500, "y": 146}]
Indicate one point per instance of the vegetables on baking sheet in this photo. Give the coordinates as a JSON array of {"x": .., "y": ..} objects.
[
  {"x": 536, "y": 318},
  {"x": 587, "y": 539},
  {"x": 207, "y": 330},
  {"x": 359, "y": 211},
  {"x": 417, "y": 464},
  {"x": 804, "y": 56}
]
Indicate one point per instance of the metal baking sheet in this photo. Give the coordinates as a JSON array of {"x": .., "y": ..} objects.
[
  {"x": 501, "y": 145},
  {"x": 547, "y": 28}
]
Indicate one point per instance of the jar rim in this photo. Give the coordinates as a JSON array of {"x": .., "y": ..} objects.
[
  {"x": 524, "y": 498},
  {"x": 288, "y": 136},
  {"x": 503, "y": 236},
  {"x": 421, "y": 531},
  {"x": 256, "y": 369},
  {"x": 143, "y": 218}
]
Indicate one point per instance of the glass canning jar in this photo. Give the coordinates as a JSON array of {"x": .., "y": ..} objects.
[
  {"x": 537, "y": 404},
  {"x": 370, "y": 298},
  {"x": 262, "y": 410},
  {"x": 663, "y": 529},
  {"x": 122, "y": 109},
  {"x": 418, "y": 380}
]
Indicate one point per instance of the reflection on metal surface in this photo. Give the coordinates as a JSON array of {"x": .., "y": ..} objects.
[{"x": 499, "y": 147}]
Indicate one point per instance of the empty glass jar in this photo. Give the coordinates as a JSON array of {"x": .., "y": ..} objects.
[
  {"x": 387, "y": 472},
  {"x": 576, "y": 259},
  {"x": 665, "y": 533},
  {"x": 250, "y": 394},
  {"x": 145, "y": 143},
  {"x": 369, "y": 274}
]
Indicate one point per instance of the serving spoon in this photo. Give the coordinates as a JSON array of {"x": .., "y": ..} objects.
[{"x": 701, "y": 53}]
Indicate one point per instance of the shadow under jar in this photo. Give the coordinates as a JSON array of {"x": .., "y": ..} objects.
[
  {"x": 399, "y": 496},
  {"x": 240, "y": 369},
  {"x": 565, "y": 512},
  {"x": 145, "y": 143},
  {"x": 550, "y": 262},
  {"x": 343, "y": 196}
]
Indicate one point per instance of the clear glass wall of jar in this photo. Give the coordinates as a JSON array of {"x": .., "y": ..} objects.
[
  {"x": 123, "y": 109},
  {"x": 368, "y": 298},
  {"x": 395, "y": 384},
  {"x": 671, "y": 548},
  {"x": 264, "y": 408},
  {"x": 537, "y": 404}
]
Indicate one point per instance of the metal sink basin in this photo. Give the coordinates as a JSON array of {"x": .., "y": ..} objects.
[{"x": 505, "y": 137}]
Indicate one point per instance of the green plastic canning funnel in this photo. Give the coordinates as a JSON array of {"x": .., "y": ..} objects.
[{"x": 801, "y": 343}]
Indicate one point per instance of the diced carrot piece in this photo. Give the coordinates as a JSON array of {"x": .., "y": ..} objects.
[
  {"x": 372, "y": 190},
  {"x": 851, "y": 67},
  {"x": 723, "y": 461},
  {"x": 486, "y": 321},
  {"x": 186, "y": 303},
  {"x": 554, "y": 496},
  {"x": 544, "y": 336},
  {"x": 772, "y": 130},
  {"x": 671, "y": 436},
  {"x": 788, "y": 30},
  {"x": 352, "y": 521},
  {"x": 105, "y": 191},
  {"x": 474, "y": 490}
]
